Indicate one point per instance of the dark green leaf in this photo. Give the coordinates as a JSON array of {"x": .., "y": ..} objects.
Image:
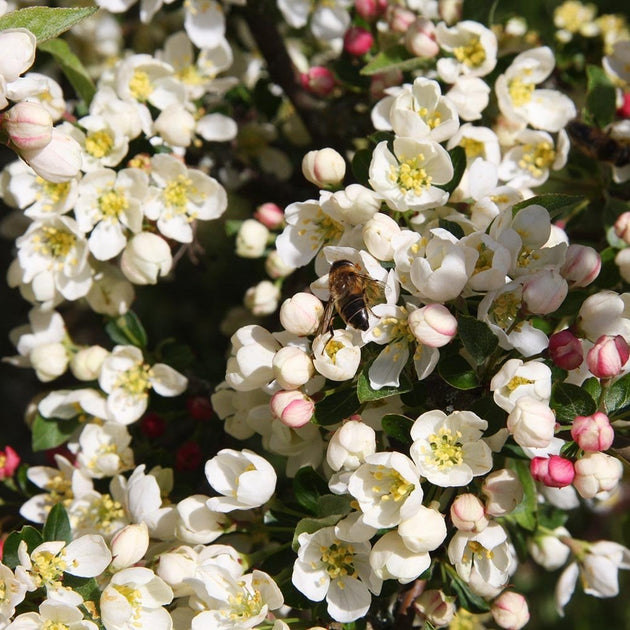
[
  {"x": 467, "y": 599},
  {"x": 383, "y": 136},
  {"x": 456, "y": 371},
  {"x": 278, "y": 561},
  {"x": 71, "y": 66},
  {"x": 569, "y": 401},
  {"x": 365, "y": 392},
  {"x": 600, "y": 97},
  {"x": 308, "y": 487},
  {"x": 361, "y": 166},
  {"x": 127, "y": 329},
  {"x": 617, "y": 396},
  {"x": 592, "y": 387},
  {"x": 334, "y": 504},
  {"x": 556, "y": 204},
  {"x": 178, "y": 355},
  {"x": 335, "y": 407},
  {"x": 51, "y": 432},
  {"x": 458, "y": 158},
  {"x": 232, "y": 226},
  {"x": 57, "y": 525},
  {"x": 394, "y": 58},
  {"x": 45, "y": 22},
  {"x": 525, "y": 513},
  {"x": 478, "y": 339},
  {"x": 416, "y": 398},
  {"x": 454, "y": 228},
  {"x": 397, "y": 427},
  {"x": 10, "y": 549}
]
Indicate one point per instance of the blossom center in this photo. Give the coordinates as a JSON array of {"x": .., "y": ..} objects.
[
  {"x": 245, "y": 605},
  {"x": 505, "y": 310},
  {"x": 486, "y": 256},
  {"x": 517, "y": 381},
  {"x": 433, "y": 119},
  {"x": 60, "y": 489},
  {"x": 446, "y": 448},
  {"x": 99, "y": 144},
  {"x": 56, "y": 243},
  {"x": 332, "y": 347},
  {"x": 520, "y": 92},
  {"x": 140, "y": 85},
  {"x": 411, "y": 175},
  {"x": 112, "y": 204},
  {"x": 537, "y": 158},
  {"x": 105, "y": 512},
  {"x": 48, "y": 568},
  {"x": 53, "y": 192},
  {"x": 473, "y": 148},
  {"x": 477, "y": 549},
  {"x": 391, "y": 485},
  {"x": 132, "y": 595},
  {"x": 54, "y": 625},
  {"x": 135, "y": 380},
  {"x": 338, "y": 560},
  {"x": 472, "y": 54}
]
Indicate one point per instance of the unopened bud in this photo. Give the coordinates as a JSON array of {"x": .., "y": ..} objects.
[
  {"x": 420, "y": 39},
  {"x": 400, "y": 19},
  {"x": 531, "y": 422},
  {"x": 301, "y": 314},
  {"x": 129, "y": 545},
  {"x": 544, "y": 292},
  {"x": 510, "y": 610},
  {"x": 252, "y": 238},
  {"x": 553, "y": 472},
  {"x": 276, "y": 267},
  {"x": 49, "y": 360},
  {"x": 565, "y": 350},
  {"x": 324, "y": 167},
  {"x": 622, "y": 227},
  {"x": 292, "y": 367},
  {"x": 85, "y": 365},
  {"x": 608, "y": 356},
  {"x": 146, "y": 257},
  {"x": 581, "y": 266},
  {"x": 593, "y": 433},
  {"x": 59, "y": 161},
  {"x": 432, "y": 325},
  {"x": 270, "y": 215},
  {"x": 468, "y": 514},
  {"x": 28, "y": 125},
  {"x": 262, "y": 299},
  {"x": 293, "y": 408},
  {"x": 436, "y": 607},
  {"x": 503, "y": 490},
  {"x": 176, "y": 125},
  {"x": 595, "y": 473},
  {"x": 357, "y": 41},
  {"x": 318, "y": 80}
]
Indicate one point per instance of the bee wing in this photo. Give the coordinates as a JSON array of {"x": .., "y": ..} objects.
[
  {"x": 374, "y": 290},
  {"x": 325, "y": 321}
]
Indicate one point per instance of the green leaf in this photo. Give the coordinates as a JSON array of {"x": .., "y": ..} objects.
[
  {"x": 397, "y": 427},
  {"x": 310, "y": 525},
  {"x": 477, "y": 338},
  {"x": 27, "y": 534},
  {"x": 617, "y": 396},
  {"x": 458, "y": 158},
  {"x": 361, "y": 166},
  {"x": 335, "y": 407},
  {"x": 592, "y": 387},
  {"x": 556, "y": 204},
  {"x": 600, "y": 97},
  {"x": 72, "y": 67},
  {"x": 365, "y": 392},
  {"x": 232, "y": 226},
  {"x": 51, "y": 432},
  {"x": 127, "y": 329},
  {"x": 466, "y": 598},
  {"x": 334, "y": 504},
  {"x": 45, "y": 22},
  {"x": 394, "y": 58},
  {"x": 86, "y": 587},
  {"x": 456, "y": 371},
  {"x": 454, "y": 228},
  {"x": 525, "y": 513},
  {"x": 569, "y": 400},
  {"x": 178, "y": 355},
  {"x": 308, "y": 487},
  {"x": 57, "y": 525}
]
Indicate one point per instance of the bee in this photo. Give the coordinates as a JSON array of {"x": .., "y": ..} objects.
[
  {"x": 351, "y": 292},
  {"x": 597, "y": 144}
]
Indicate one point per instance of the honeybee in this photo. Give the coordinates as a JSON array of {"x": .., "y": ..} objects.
[
  {"x": 597, "y": 144},
  {"x": 351, "y": 293}
]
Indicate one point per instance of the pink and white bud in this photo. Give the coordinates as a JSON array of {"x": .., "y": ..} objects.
[
  {"x": 510, "y": 610},
  {"x": 251, "y": 239},
  {"x": 370, "y": 10},
  {"x": 293, "y": 408},
  {"x": 420, "y": 39},
  {"x": 59, "y": 161},
  {"x": 262, "y": 299},
  {"x": 581, "y": 266},
  {"x": 622, "y": 260},
  {"x": 532, "y": 422},
  {"x": 595, "y": 473},
  {"x": 357, "y": 41},
  {"x": 593, "y": 433},
  {"x": 292, "y": 367},
  {"x": 18, "y": 52},
  {"x": 544, "y": 292},
  {"x": 129, "y": 545},
  {"x": 350, "y": 445},
  {"x": 378, "y": 233},
  {"x": 565, "y": 350},
  {"x": 432, "y": 325},
  {"x": 28, "y": 125},
  {"x": 318, "y": 80},
  {"x": 468, "y": 514},
  {"x": 608, "y": 356},
  {"x": 503, "y": 491},
  {"x": 624, "y": 110},
  {"x": 301, "y": 314},
  {"x": 553, "y": 472},
  {"x": 276, "y": 267},
  {"x": 400, "y": 19},
  {"x": 85, "y": 365},
  {"x": 324, "y": 167},
  {"x": 146, "y": 258},
  {"x": 49, "y": 360},
  {"x": 622, "y": 226},
  {"x": 270, "y": 215},
  {"x": 436, "y": 607}
]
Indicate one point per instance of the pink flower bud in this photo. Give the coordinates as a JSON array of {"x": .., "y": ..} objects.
[
  {"x": 319, "y": 81},
  {"x": 608, "y": 356},
  {"x": 420, "y": 39},
  {"x": 468, "y": 514},
  {"x": 593, "y": 433},
  {"x": 59, "y": 161},
  {"x": 436, "y": 607},
  {"x": 357, "y": 41},
  {"x": 595, "y": 473},
  {"x": 581, "y": 266},
  {"x": 503, "y": 490},
  {"x": 400, "y": 19},
  {"x": 293, "y": 408},
  {"x": 28, "y": 125},
  {"x": 324, "y": 167},
  {"x": 270, "y": 215},
  {"x": 544, "y": 291},
  {"x": 622, "y": 226},
  {"x": 432, "y": 325},
  {"x": 565, "y": 350},
  {"x": 510, "y": 611},
  {"x": 370, "y": 10},
  {"x": 624, "y": 110},
  {"x": 9, "y": 461},
  {"x": 554, "y": 471}
]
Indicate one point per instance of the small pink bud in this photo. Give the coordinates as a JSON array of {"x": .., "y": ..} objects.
[
  {"x": 565, "y": 350},
  {"x": 319, "y": 81},
  {"x": 622, "y": 226},
  {"x": 581, "y": 266},
  {"x": 624, "y": 110},
  {"x": 432, "y": 325},
  {"x": 357, "y": 41},
  {"x": 370, "y": 9},
  {"x": 324, "y": 167},
  {"x": 554, "y": 471},
  {"x": 59, "y": 161},
  {"x": 593, "y": 433},
  {"x": 468, "y": 514},
  {"x": 270, "y": 215},
  {"x": 437, "y": 607},
  {"x": 28, "y": 125},
  {"x": 9, "y": 461},
  {"x": 420, "y": 39},
  {"x": 400, "y": 19},
  {"x": 608, "y": 356},
  {"x": 544, "y": 291},
  {"x": 510, "y": 611},
  {"x": 293, "y": 408}
]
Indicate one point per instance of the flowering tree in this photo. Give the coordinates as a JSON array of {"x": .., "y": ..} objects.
[{"x": 381, "y": 390}]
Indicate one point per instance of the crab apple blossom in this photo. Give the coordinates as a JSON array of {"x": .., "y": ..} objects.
[
  {"x": 28, "y": 125},
  {"x": 468, "y": 513},
  {"x": 293, "y": 408},
  {"x": 503, "y": 491},
  {"x": 146, "y": 258},
  {"x": 9, "y": 462},
  {"x": 336, "y": 357},
  {"x": 531, "y": 422},
  {"x": 18, "y": 46},
  {"x": 596, "y": 472},
  {"x": 518, "y": 378},
  {"x": 510, "y": 611},
  {"x": 434, "y": 606},
  {"x": 593, "y": 433},
  {"x": 251, "y": 239},
  {"x": 548, "y": 550},
  {"x": 608, "y": 356},
  {"x": 565, "y": 350},
  {"x": 391, "y": 559},
  {"x": 301, "y": 314},
  {"x": 324, "y": 167},
  {"x": 553, "y": 471}
]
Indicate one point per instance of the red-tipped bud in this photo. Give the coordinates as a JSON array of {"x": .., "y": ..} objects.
[
  {"x": 608, "y": 356},
  {"x": 565, "y": 350},
  {"x": 357, "y": 41}
]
